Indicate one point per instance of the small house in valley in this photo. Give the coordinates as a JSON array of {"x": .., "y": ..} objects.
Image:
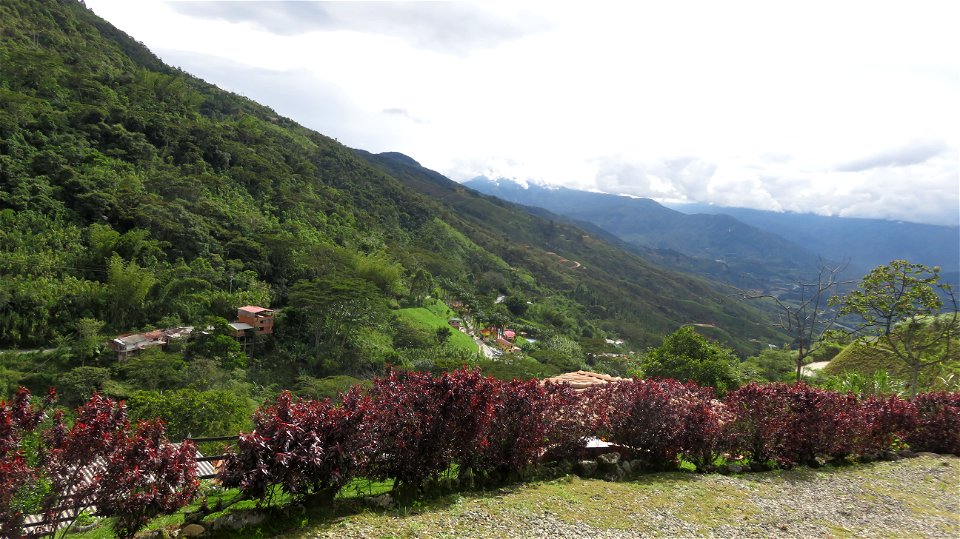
[{"x": 131, "y": 344}]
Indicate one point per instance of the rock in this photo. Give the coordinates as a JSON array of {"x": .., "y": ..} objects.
[
  {"x": 928, "y": 454},
  {"x": 383, "y": 501},
  {"x": 155, "y": 534},
  {"x": 615, "y": 475},
  {"x": 636, "y": 466},
  {"x": 608, "y": 462},
  {"x": 587, "y": 468},
  {"x": 735, "y": 468},
  {"x": 238, "y": 520},
  {"x": 625, "y": 466},
  {"x": 818, "y": 462},
  {"x": 192, "y": 530},
  {"x": 907, "y": 454},
  {"x": 758, "y": 467}
]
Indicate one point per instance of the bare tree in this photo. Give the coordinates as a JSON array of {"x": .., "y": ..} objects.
[{"x": 809, "y": 317}]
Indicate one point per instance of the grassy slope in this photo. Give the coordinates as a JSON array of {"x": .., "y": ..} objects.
[
  {"x": 436, "y": 316},
  {"x": 865, "y": 359}
]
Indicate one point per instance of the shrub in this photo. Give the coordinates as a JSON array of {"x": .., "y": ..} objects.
[
  {"x": 303, "y": 446},
  {"x": 882, "y": 422},
  {"x": 792, "y": 424},
  {"x": 661, "y": 420},
  {"x": 144, "y": 476},
  {"x": 18, "y": 419},
  {"x": 422, "y": 423},
  {"x": 938, "y": 423}
]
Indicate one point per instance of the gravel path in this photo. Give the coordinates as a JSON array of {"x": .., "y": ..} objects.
[{"x": 917, "y": 497}]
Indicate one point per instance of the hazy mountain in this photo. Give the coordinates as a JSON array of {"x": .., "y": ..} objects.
[
  {"x": 717, "y": 246},
  {"x": 866, "y": 242}
]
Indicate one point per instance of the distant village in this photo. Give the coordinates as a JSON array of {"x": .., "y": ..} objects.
[{"x": 252, "y": 321}]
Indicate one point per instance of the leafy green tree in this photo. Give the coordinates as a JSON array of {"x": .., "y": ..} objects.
[
  {"x": 89, "y": 342},
  {"x": 78, "y": 384},
  {"x": 772, "y": 365},
  {"x": 335, "y": 311},
  {"x": 128, "y": 286},
  {"x": 188, "y": 412},
  {"x": 216, "y": 342},
  {"x": 560, "y": 352},
  {"x": 685, "y": 356},
  {"x": 153, "y": 369},
  {"x": 901, "y": 306}
]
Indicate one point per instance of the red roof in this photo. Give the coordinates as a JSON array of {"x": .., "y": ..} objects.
[{"x": 253, "y": 309}]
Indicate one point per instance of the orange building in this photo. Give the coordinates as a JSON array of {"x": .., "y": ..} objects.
[{"x": 259, "y": 318}]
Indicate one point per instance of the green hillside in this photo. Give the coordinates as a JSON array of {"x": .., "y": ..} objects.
[
  {"x": 134, "y": 195},
  {"x": 865, "y": 359}
]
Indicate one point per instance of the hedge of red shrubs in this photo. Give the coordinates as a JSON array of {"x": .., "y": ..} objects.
[{"x": 413, "y": 427}]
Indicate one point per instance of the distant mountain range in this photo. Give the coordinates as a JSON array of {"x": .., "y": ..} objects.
[
  {"x": 866, "y": 242},
  {"x": 747, "y": 248}
]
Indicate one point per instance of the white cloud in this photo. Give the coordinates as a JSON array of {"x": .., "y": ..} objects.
[{"x": 844, "y": 108}]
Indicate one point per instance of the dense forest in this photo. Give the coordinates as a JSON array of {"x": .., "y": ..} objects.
[{"x": 135, "y": 196}]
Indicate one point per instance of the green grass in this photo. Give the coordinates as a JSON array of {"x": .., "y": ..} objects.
[
  {"x": 434, "y": 316},
  {"x": 706, "y": 504}
]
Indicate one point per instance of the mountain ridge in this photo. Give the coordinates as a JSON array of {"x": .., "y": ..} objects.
[{"x": 127, "y": 183}]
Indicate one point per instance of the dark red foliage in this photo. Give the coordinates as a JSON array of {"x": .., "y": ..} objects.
[
  {"x": 938, "y": 423},
  {"x": 143, "y": 476},
  {"x": 531, "y": 422},
  {"x": 302, "y": 445},
  {"x": 883, "y": 421},
  {"x": 17, "y": 418},
  {"x": 795, "y": 424},
  {"x": 661, "y": 420},
  {"x": 100, "y": 462},
  {"x": 421, "y": 423}
]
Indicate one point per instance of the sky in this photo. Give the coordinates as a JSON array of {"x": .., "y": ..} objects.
[{"x": 838, "y": 108}]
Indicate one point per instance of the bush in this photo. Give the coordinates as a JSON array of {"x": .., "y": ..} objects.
[
  {"x": 660, "y": 420},
  {"x": 132, "y": 475},
  {"x": 938, "y": 423},
  {"x": 423, "y": 423},
  {"x": 303, "y": 446},
  {"x": 793, "y": 424},
  {"x": 884, "y": 421}
]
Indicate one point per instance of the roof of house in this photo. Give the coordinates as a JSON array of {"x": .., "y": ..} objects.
[
  {"x": 253, "y": 309},
  {"x": 581, "y": 380},
  {"x": 240, "y": 326}
]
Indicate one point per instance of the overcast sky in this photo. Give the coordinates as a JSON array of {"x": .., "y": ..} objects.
[{"x": 842, "y": 108}]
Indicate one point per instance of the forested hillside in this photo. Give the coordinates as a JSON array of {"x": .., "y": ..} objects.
[{"x": 133, "y": 195}]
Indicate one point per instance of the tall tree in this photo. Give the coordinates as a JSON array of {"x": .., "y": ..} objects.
[
  {"x": 810, "y": 316},
  {"x": 686, "y": 356},
  {"x": 908, "y": 312}
]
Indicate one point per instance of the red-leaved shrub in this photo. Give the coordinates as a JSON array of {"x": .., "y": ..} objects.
[
  {"x": 18, "y": 418},
  {"x": 881, "y": 422},
  {"x": 938, "y": 423},
  {"x": 795, "y": 424},
  {"x": 421, "y": 424},
  {"x": 660, "y": 420},
  {"x": 304, "y": 446},
  {"x": 531, "y": 422},
  {"x": 144, "y": 476}
]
